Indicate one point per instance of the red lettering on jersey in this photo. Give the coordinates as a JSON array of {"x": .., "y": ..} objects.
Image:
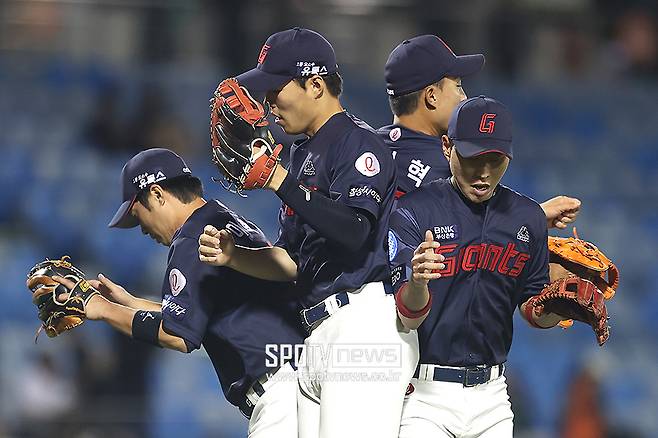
[
  {"x": 451, "y": 267},
  {"x": 288, "y": 211},
  {"x": 482, "y": 256},
  {"x": 510, "y": 253},
  {"x": 493, "y": 255},
  {"x": 519, "y": 264},
  {"x": 467, "y": 263},
  {"x": 487, "y": 124}
]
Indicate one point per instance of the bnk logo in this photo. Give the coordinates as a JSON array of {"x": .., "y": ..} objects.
[{"x": 487, "y": 124}]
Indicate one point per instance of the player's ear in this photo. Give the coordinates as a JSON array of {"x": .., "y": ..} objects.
[
  {"x": 430, "y": 96},
  {"x": 158, "y": 193},
  {"x": 316, "y": 86},
  {"x": 447, "y": 146}
]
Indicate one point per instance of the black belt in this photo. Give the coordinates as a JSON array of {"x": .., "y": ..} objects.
[
  {"x": 246, "y": 407},
  {"x": 467, "y": 376},
  {"x": 319, "y": 312}
]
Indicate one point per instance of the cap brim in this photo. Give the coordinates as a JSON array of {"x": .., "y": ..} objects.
[
  {"x": 122, "y": 218},
  {"x": 256, "y": 80},
  {"x": 466, "y": 65},
  {"x": 468, "y": 149}
]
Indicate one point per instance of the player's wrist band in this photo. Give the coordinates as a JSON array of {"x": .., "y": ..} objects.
[
  {"x": 146, "y": 326},
  {"x": 408, "y": 313}
]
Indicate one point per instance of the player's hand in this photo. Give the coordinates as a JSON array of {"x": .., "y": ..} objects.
[
  {"x": 94, "y": 309},
  {"x": 216, "y": 247},
  {"x": 113, "y": 292},
  {"x": 425, "y": 263},
  {"x": 561, "y": 211}
]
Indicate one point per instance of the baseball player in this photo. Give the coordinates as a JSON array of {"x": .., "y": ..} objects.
[
  {"x": 232, "y": 315},
  {"x": 337, "y": 196},
  {"x": 423, "y": 77},
  {"x": 465, "y": 251}
]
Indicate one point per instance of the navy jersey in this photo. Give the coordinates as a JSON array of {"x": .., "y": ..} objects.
[
  {"x": 231, "y": 314},
  {"x": 347, "y": 162},
  {"x": 496, "y": 257},
  {"x": 418, "y": 157}
]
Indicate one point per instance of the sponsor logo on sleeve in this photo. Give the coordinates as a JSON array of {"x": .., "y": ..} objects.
[
  {"x": 367, "y": 164},
  {"x": 177, "y": 281},
  {"x": 173, "y": 308},
  {"x": 392, "y": 245},
  {"x": 365, "y": 192},
  {"x": 398, "y": 274}
]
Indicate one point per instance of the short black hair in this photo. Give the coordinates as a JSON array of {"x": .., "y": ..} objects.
[
  {"x": 333, "y": 81},
  {"x": 407, "y": 103},
  {"x": 185, "y": 188}
]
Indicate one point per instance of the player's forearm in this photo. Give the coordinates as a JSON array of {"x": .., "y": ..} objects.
[
  {"x": 144, "y": 304},
  {"x": 121, "y": 318},
  {"x": 413, "y": 304},
  {"x": 339, "y": 223},
  {"x": 272, "y": 263}
]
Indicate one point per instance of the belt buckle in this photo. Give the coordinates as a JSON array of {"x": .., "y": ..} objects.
[{"x": 478, "y": 373}]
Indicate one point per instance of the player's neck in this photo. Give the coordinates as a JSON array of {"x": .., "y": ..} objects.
[
  {"x": 418, "y": 124},
  {"x": 186, "y": 210},
  {"x": 327, "y": 110}
]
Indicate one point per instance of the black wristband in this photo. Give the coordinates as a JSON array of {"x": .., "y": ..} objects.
[{"x": 146, "y": 327}]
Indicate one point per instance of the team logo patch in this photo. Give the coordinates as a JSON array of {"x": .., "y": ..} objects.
[
  {"x": 309, "y": 168},
  {"x": 395, "y": 134},
  {"x": 367, "y": 164},
  {"x": 523, "y": 235},
  {"x": 177, "y": 281},
  {"x": 446, "y": 232},
  {"x": 392, "y": 245},
  {"x": 410, "y": 389}
]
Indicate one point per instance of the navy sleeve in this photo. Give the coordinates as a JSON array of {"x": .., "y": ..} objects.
[
  {"x": 187, "y": 293},
  {"x": 537, "y": 277},
  {"x": 362, "y": 177},
  {"x": 404, "y": 236}
]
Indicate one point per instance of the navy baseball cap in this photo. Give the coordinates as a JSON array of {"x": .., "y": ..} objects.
[
  {"x": 421, "y": 61},
  {"x": 479, "y": 125},
  {"x": 292, "y": 53},
  {"x": 142, "y": 170}
]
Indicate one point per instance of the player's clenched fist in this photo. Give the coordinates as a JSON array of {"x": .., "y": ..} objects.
[
  {"x": 425, "y": 263},
  {"x": 216, "y": 247}
]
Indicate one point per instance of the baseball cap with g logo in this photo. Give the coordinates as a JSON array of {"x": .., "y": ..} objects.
[
  {"x": 479, "y": 125},
  {"x": 292, "y": 53},
  {"x": 146, "y": 168}
]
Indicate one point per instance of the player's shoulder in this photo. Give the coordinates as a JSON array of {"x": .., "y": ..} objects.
[
  {"x": 362, "y": 136},
  {"x": 521, "y": 203},
  {"x": 212, "y": 212},
  {"x": 433, "y": 194}
]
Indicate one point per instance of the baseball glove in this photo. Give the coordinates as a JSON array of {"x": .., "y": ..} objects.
[
  {"x": 58, "y": 316},
  {"x": 578, "y": 287},
  {"x": 242, "y": 146}
]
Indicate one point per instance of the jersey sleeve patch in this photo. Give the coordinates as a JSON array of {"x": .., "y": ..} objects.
[
  {"x": 392, "y": 245},
  {"x": 367, "y": 164},
  {"x": 177, "y": 281}
]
